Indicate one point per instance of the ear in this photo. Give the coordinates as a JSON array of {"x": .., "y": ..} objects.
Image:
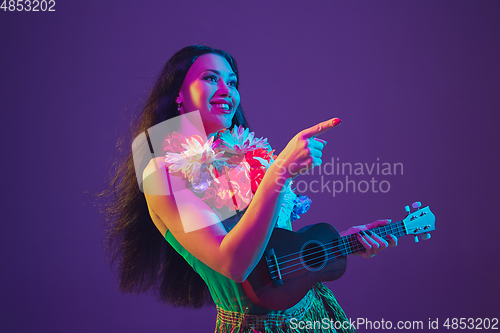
[{"x": 178, "y": 100}]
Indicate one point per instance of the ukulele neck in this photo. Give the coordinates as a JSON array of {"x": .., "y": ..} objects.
[{"x": 350, "y": 244}]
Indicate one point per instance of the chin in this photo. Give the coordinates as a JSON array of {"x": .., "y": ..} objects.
[
  {"x": 218, "y": 123},
  {"x": 226, "y": 123}
]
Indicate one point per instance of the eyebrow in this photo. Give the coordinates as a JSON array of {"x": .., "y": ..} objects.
[{"x": 217, "y": 72}]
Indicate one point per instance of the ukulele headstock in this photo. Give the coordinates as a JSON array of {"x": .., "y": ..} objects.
[{"x": 420, "y": 222}]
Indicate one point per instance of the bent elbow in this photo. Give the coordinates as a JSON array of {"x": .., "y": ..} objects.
[
  {"x": 242, "y": 277},
  {"x": 237, "y": 267},
  {"x": 238, "y": 274},
  {"x": 239, "y": 278}
]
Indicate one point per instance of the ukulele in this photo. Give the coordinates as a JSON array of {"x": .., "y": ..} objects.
[{"x": 294, "y": 261}]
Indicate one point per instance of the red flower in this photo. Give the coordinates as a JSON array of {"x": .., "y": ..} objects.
[
  {"x": 210, "y": 196},
  {"x": 260, "y": 152},
  {"x": 233, "y": 189},
  {"x": 256, "y": 175},
  {"x": 172, "y": 143}
]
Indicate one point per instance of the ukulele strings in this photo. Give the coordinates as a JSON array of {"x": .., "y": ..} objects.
[
  {"x": 393, "y": 227},
  {"x": 357, "y": 246}
]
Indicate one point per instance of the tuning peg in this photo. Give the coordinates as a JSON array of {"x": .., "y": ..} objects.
[
  {"x": 425, "y": 236},
  {"x": 416, "y": 204},
  {"x": 407, "y": 209},
  {"x": 416, "y": 238}
]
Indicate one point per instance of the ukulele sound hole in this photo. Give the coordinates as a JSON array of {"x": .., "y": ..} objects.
[{"x": 313, "y": 255}]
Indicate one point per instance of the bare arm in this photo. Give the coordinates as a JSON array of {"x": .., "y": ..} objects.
[{"x": 236, "y": 253}]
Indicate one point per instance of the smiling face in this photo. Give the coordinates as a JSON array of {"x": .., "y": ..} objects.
[{"x": 210, "y": 87}]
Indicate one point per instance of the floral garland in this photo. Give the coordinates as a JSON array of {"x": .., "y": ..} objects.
[{"x": 227, "y": 169}]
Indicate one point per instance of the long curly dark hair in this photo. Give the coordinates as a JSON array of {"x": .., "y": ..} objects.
[{"x": 145, "y": 259}]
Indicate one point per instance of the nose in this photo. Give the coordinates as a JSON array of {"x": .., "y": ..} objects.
[{"x": 223, "y": 90}]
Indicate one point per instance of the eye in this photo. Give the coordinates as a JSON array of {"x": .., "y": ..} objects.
[
  {"x": 211, "y": 78},
  {"x": 232, "y": 83}
]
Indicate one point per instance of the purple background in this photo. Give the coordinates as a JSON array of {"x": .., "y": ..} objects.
[{"x": 414, "y": 82}]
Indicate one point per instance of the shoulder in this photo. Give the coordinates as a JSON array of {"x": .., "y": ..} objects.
[
  {"x": 155, "y": 178},
  {"x": 158, "y": 192},
  {"x": 153, "y": 166}
]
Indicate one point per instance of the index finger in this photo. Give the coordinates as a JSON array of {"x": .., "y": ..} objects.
[
  {"x": 320, "y": 128},
  {"x": 378, "y": 223}
]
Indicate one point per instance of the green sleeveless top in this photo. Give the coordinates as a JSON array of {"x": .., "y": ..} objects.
[
  {"x": 231, "y": 299},
  {"x": 226, "y": 293}
]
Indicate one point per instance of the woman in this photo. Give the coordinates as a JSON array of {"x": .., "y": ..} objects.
[{"x": 223, "y": 251}]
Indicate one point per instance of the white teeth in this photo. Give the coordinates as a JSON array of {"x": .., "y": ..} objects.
[{"x": 222, "y": 106}]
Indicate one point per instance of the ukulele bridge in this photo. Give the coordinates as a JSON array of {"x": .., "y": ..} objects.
[{"x": 274, "y": 268}]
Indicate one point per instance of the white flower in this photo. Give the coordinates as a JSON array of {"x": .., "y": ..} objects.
[
  {"x": 241, "y": 140},
  {"x": 190, "y": 161}
]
